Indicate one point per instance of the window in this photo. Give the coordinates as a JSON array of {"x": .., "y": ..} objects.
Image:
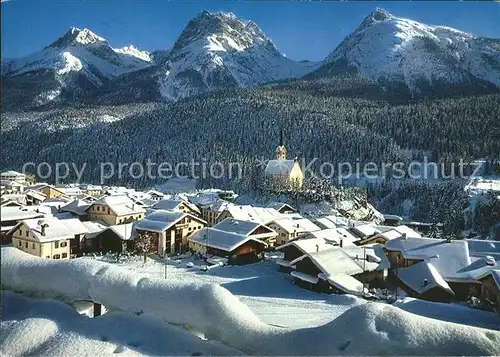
[
  {"x": 20, "y": 243},
  {"x": 48, "y": 257},
  {"x": 199, "y": 227},
  {"x": 119, "y": 221},
  {"x": 33, "y": 245},
  {"x": 63, "y": 244},
  {"x": 21, "y": 232},
  {"x": 57, "y": 256},
  {"x": 64, "y": 255},
  {"x": 26, "y": 245},
  {"x": 189, "y": 228},
  {"x": 56, "y": 244},
  {"x": 27, "y": 233},
  {"x": 283, "y": 234},
  {"x": 98, "y": 208}
]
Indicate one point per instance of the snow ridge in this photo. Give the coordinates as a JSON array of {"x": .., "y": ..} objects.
[{"x": 372, "y": 328}]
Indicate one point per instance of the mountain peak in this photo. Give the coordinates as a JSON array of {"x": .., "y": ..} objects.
[
  {"x": 376, "y": 16},
  {"x": 224, "y": 31},
  {"x": 77, "y": 36}
]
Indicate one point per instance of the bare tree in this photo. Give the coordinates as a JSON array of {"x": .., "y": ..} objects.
[{"x": 143, "y": 244}]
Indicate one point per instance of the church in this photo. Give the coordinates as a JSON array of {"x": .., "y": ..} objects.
[{"x": 283, "y": 171}]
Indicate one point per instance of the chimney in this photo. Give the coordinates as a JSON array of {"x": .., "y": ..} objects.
[
  {"x": 59, "y": 208},
  {"x": 341, "y": 242},
  {"x": 425, "y": 282},
  {"x": 43, "y": 228},
  {"x": 317, "y": 247}
]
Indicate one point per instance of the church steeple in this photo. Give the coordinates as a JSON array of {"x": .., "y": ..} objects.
[{"x": 281, "y": 150}]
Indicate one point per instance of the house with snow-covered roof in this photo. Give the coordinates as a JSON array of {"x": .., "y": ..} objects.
[
  {"x": 115, "y": 209},
  {"x": 48, "y": 190},
  {"x": 340, "y": 270},
  {"x": 290, "y": 228},
  {"x": 49, "y": 237},
  {"x": 238, "y": 248},
  {"x": 110, "y": 239},
  {"x": 12, "y": 175},
  {"x": 177, "y": 206},
  {"x": 170, "y": 229},
  {"x": 248, "y": 228},
  {"x": 282, "y": 172},
  {"x": 281, "y": 207},
  {"x": 249, "y": 213},
  {"x": 461, "y": 267}
]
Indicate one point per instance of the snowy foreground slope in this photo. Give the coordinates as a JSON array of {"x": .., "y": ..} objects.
[{"x": 216, "y": 314}]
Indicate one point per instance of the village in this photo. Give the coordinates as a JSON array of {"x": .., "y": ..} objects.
[{"x": 329, "y": 254}]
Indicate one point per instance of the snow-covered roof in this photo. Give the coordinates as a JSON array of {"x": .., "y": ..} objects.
[
  {"x": 19, "y": 213},
  {"x": 37, "y": 195},
  {"x": 332, "y": 221},
  {"x": 345, "y": 283},
  {"x": 364, "y": 230},
  {"x": 279, "y": 167},
  {"x": 11, "y": 173},
  {"x": 295, "y": 224},
  {"x": 333, "y": 236},
  {"x": 244, "y": 228},
  {"x": 76, "y": 206},
  {"x": 10, "y": 183},
  {"x": 124, "y": 231},
  {"x": 251, "y": 213},
  {"x": 204, "y": 198},
  {"x": 304, "y": 277},
  {"x": 94, "y": 227},
  {"x": 307, "y": 245},
  {"x": 121, "y": 205},
  {"x": 332, "y": 261},
  {"x": 482, "y": 248},
  {"x": 14, "y": 197},
  {"x": 422, "y": 277},
  {"x": 452, "y": 259},
  {"x": 161, "y": 220},
  {"x": 226, "y": 241},
  {"x": 171, "y": 205},
  {"x": 279, "y": 205},
  {"x": 55, "y": 229}
]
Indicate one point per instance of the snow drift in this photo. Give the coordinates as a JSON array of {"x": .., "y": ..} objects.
[{"x": 213, "y": 311}]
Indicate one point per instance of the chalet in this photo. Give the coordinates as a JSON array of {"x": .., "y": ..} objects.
[
  {"x": 283, "y": 172},
  {"x": 364, "y": 231},
  {"x": 13, "y": 176},
  {"x": 388, "y": 233},
  {"x": 459, "y": 263},
  {"x": 92, "y": 190},
  {"x": 113, "y": 239},
  {"x": 247, "y": 228},
  {"x": 11, "y": 200},
  {"x": 490, "y": 288},
  {"x": 8, "y": 186},
  {"x": 290, "y": 228},
  {"x": 177, "y": 206},
  {"x": 77, "y": 208},
  {"x": 35, "y": 197},
  {"x": 340, "y": 270},
  {"x": 331, "y": 221},
  {"x": 211, "y": 212},
  {"x": 170, "y": 229},
  {"x": 155, "y": 195},
  {"x": 49, "y": 237},
  {"x": 297, "y": 248},
  {"x": 48, "y": 190},
  {"x": 249, "y": 213},
  {"x": 237, "y": 248},
  {"x": 333, "y": 236},
  {"x": 11, "y": 216},
  {"x": 114, "y": 210},
  {"x": 282, "y": 207}
]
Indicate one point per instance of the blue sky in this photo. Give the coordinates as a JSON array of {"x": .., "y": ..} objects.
[{"x": 301, "y": 30}]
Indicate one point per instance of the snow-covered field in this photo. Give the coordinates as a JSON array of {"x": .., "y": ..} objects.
[
  {"x": 189, "y": 313},
  {"x": 271, "y": 295}
]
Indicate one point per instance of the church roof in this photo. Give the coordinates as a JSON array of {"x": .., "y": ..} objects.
[{"x": 279, "y": 167}]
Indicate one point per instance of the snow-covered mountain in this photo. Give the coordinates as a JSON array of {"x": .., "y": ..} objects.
[
  {"x": 78, "y": 61},
  {"x": 214, "y": 51},
  {"x": 387, "y": 49}
]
